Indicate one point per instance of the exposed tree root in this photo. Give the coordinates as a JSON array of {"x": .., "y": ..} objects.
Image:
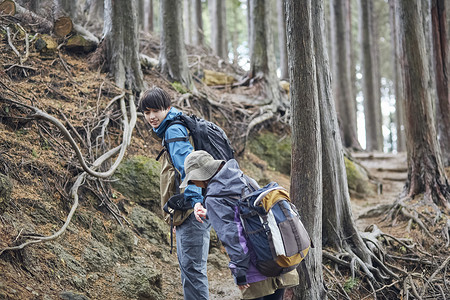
[
  {"x": 128, "y": 125},
  {"x": 424, "y": 276}
]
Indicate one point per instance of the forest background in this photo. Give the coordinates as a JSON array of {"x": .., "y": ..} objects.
[{"x": 343, "y": 102}]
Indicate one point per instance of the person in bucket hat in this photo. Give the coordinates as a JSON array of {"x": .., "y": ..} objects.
[{"x": 224, "y": 184}]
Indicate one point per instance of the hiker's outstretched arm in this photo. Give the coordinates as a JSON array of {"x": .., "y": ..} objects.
[{"x": 178, "y": 152}]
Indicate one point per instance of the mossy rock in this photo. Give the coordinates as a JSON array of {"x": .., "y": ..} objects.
[
  {"x": 357, "y": 179},
  {"x": 79, "y": 44},
  {"x": 137, "y": 179},
  {"x": 277, "y": 153}
]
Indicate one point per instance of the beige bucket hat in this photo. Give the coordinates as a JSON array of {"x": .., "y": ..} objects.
[{"x": 199, "y": 165}]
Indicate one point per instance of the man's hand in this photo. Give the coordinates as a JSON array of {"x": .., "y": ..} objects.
[
  {"x": 199, "y": 212},
  {"x": 243, "y": 287}
]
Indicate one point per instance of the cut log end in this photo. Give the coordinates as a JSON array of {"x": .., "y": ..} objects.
[
  {"x": 62, "y": 26},
  {"x": 8, "y": 7}
]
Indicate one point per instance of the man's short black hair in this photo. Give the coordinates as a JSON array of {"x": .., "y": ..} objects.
[{"x": 155, "y": 98}]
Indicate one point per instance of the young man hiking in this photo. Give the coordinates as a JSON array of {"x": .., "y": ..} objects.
[
  {"x": 224, "y": 184},
  {"x": 192, "y": 237}
]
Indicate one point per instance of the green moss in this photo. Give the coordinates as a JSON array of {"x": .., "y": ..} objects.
[
  {"x": 350, "y": 284},
  {"x": 276, "y": 152},
  {"x": 357, "y": 179},
  {"x": 179, "y": 87},
  {"x": 138, "y": 180}
]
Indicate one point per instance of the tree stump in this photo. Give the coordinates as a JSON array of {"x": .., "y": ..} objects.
[{"x": 8, "y": 7}]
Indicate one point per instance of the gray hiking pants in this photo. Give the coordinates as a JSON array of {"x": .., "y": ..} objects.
[{"x": 192, "y": 250}]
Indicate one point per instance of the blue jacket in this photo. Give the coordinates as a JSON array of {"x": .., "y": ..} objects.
[
  {"x": 222, "y": 194},
  {"x": 178, "y": 151}
]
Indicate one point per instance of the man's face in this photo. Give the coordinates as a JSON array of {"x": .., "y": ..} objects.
[
  {"x": 155, "y": 116},
  {"x": 201, "y": 184}
]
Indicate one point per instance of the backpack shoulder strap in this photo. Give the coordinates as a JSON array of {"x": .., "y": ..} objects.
[{"x": 177, "y": 139}]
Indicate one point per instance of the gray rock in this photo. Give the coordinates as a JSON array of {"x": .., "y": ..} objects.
[
  {"x": 140, "y": 281},
  {"x": 72, "y": 296}
]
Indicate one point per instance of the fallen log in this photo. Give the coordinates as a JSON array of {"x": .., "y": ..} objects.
[
  {"x": 25, "y": 16},
  {"x": 81, "y": 41}
]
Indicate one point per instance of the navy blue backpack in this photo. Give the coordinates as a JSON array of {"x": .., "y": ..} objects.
[{"x": 273, "y": 228}]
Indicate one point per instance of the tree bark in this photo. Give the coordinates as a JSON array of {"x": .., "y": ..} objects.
[
  {"x": 371, "y": 103},
  {"x": 425, "y": 168},
  {"x": 262, "y": 61},
  {"x": 342, "y": 72},
  {"x": 95, "y": 10},
  {"x": 197, "y": 23},
  {"x": 121, "y": 39},
  {"x": 438, "y": 18},
  {"x": 374, "y": 29},
  {"x": 32, "y": 5},
  {"x": 399, "y": 112},
  {"x": 217, "y": 13},
  {"x": 149, "y": 18},
  {"x": 281, "y": 9},
  {"x": 306, "y": 174},
  {"x": 187, "y": 21},
  {"x": 173, "y": 57},
  {"x": 339, "y": 231}
]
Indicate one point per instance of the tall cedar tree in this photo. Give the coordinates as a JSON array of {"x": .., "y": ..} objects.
[
  {"x": 371, "y": 100},
  {"x": 173, "y": 57},
  {"x": 197, "y": 23},
  {"x": 306, "y": 173},
  {"x": 339, "y": 231},
  {"x": 399, "y": 113},
  {"x": 262, "y": 60},
  {"x": 342, "y": 86},
  {"x": 438, "y": 18},
  {"x": 120, "y": 36},
  {"x": 281, "y": 13},
  {"x": 217, "y": 14},
  {"x": 425, "y": 168}
]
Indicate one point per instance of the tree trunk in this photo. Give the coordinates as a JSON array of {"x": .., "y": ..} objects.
[
  {"x": 197, "y": 23},
  {"x": 141, "y": 13},
  {"x": 173, "y": 57},
  {"x": 438, "y": 18},
  {"x": 399, "y": 113},
  {"x": 249, "y": 29},
  {"x": 370, "y": 102},
  {"x": 339, "y": 231},
  {"x": 65, "y": 8},
  {"x": 306, "y": 174},
  {"x": 95, "y": 10},
  {"x": 217, "y": 13},
  {"x": 32, "y": 5},
  {"x": 374, "y": 29},
  {"x": 342, "y": 85},
  {"x": 281, "y": 9},
  {"x": 187, "y": 21},
  {"x": 425, "y": 169},
  {"x": 148, "y": 25},
  {"x": 120, "y": 37},
  {"x": 262, "y": 61}
]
